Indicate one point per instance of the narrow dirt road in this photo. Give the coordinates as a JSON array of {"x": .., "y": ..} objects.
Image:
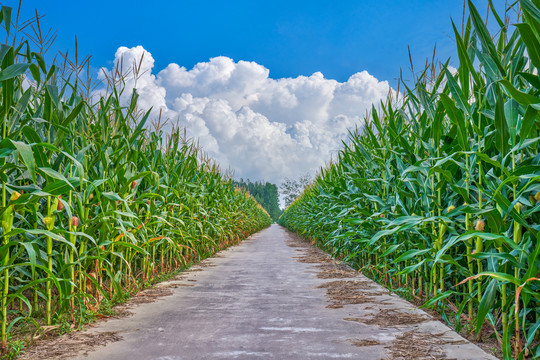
[{"x": 276, "y": 297}]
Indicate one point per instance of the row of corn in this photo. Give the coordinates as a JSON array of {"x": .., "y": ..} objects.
[
  {"x": 439, "y": 192},
  {"x": 92, "y": 204}
]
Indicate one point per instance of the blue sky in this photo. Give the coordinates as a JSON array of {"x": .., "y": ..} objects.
[
  {"x": 269, "y": 89},
  {"x": 290, "y": 38}
]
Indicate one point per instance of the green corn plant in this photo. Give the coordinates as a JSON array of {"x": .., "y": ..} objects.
[
  {"x": 96, "y": 203},
  {"x": 441, "y": 190}
]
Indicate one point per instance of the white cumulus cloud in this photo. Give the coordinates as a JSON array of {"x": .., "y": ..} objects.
[{"x": 261, "y": 128}]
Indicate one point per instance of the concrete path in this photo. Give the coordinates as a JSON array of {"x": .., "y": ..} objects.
[{"x": 263, "y": 300}]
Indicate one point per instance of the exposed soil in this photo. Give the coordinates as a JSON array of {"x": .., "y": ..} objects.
[
  {"x": 389, "y": 318},
  {"x": 311, "y": 254},
  {"x": 342, "y": 292},
  {"x": 329, "y": 268},
  {"x": 409, "y": 345},
  {"x": 151, "y": 295},
  {"x": 488, "y": 342},
  {"x": 64, "y": 347},
  {"x": 49, "y": 346},
  {"x": 335, "y": 271},
  {"x": 418, "y": 346},
  {"x": 205, "y": 264},
  {"x": 364, "y": 342},
  {"x": 314, "y": 259},
  {"x": 297, "y": 244}
]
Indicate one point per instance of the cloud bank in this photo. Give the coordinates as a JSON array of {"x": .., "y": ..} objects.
[{"x": 261, "y": 128}]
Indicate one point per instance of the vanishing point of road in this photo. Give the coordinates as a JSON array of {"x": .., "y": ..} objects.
[{"x": 258, "y": 300}]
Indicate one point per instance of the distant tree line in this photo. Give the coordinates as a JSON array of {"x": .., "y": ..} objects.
[
  {"x": 292, "y": 188},
  {"x": 265, "y": 193}
]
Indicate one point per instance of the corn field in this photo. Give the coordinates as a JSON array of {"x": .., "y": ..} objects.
[
  {"x": 93, "y": 205},
  {"x": 439, "y": 192}
]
